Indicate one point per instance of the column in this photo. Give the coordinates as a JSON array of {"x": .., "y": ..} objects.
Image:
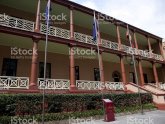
[
  {"x": 72, "y": 63},
  {"x": 149, "y": 44},
  {"x": 118, "y": 35},
  {"x": 135, "y": 40},
  {"x": 155, "y": 73},
  {"x": 121, "y": 56},
  {"x": 37, "y": 24},
  {"x": 34, "y": 65},
  {"x": 71, "y": 24},
  {"x": 72, "y": 69},
  {"x": 101, "y": 68},
  {"x": 141, "y": 73},
  {"x": 139, "y": 62},
  {"x": 161, "y": 48},
  {"x": 123, "y": 69}
]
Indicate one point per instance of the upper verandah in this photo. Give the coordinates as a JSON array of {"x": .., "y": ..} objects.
[{"x": 82, "y": 18}]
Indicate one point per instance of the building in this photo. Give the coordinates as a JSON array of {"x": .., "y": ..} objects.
[{"x": 72, "y": 66}]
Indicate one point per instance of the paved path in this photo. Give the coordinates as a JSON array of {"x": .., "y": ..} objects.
[{"x": 153, "y": 117}]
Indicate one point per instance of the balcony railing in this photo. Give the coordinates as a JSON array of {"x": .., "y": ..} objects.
[
  {"x": 97, "y": 85},
  {"x": 87, "y": 85},
  {"x": 114, "y": 85},
  {"x": 17, "y": 23},
  {"x": 53, "y": 84},
  {"x": 54, "y": 31},
  {"x": 26, "y": 25},
  {"x": 84, "y": 38},
  {"x": 9, "y": 82}
]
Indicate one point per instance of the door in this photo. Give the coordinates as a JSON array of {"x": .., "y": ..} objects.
[
  {"x": 9, "y": 67},
  {"x": 132, "y": 77},
  {"x": 96, "y": 74},
  {"x": 41, "y": 70},
  {"x": 77, "y": 76},
  {"x": 145, "y": 78}
]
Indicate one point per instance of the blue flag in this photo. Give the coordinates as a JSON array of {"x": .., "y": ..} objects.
[
  {"x": 48, "y": 8},
  {"x": 95, "y": 28}
]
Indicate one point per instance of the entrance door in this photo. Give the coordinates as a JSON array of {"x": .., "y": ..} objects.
[
  {"x": 96, "y": 74},
  {"x": 77, "y": 75},
  {"x": 41, "y": 70},
  {"x": 9, "y": 67},
  {"x": 116, "y": 76},
  {"x": 145, "y": 78},
  {"x": 132, "y": 77}
]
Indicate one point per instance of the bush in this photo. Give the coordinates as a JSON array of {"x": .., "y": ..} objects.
[{"x": 31, "y": 104}]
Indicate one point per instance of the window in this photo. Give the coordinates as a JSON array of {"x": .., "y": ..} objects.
[
  {"x": 9, "y": 67},
  {"x": 77, "y": 77},
  {"x": 41, "y": 70},
  {"x": 132, "y": 77},
  {"x": 145, "y": 78},
  {"x": 116, "y": 76},
  {"x": 96, "y": 74}
]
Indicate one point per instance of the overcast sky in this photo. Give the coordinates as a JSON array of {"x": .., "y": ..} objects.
[{"x": 148, "y": 15}]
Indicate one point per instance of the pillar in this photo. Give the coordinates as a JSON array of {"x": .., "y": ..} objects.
[
  {"x": 141, "y": 73},
  {"x": 139, "y": 62},
  {"x": 71, "y": 24},
  {"x": 72, "y": 63},
  {"x": 72, "y": 69},
  {"x": 37, "y": 24},
  {"x": 118, "y": 35},
  {"x": 149, "y": 44},
  {"x": 101, "y": 68},
  {"x": 161, "y": 48},
  {"x": 34, "y": 65},
  {"x": 135, "y": 40},
  {"x": 155, "y": 73},
  {"x": 123, "y": 69}
]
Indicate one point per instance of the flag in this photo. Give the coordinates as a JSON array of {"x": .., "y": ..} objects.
[
  {"x": 48, "y": 9},
  {"x": 128, "y": 35},
  {"x": 95, "y": 28}
]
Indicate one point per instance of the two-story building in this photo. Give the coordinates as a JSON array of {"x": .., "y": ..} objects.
[{"x": 72, "y": 61}]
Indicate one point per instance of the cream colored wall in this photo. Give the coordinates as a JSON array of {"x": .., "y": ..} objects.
[
  {"x": 60, "y": 66},
  {"x": 23, "y": 65}
]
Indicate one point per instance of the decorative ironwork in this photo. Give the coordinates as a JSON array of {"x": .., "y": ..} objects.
[
  {"x": 114, "y": 85},
  {"x": 54, "y": 31},
  {"x": 17, "y": 23},
  {"x": 9, "y": 82},
  {"x": 88, "y": 85},
  {"x": 53, "y": 84},
  {"x": 26, "y": 25}
]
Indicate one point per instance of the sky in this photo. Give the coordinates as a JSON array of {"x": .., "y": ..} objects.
[{"x": 148, "y": 15}]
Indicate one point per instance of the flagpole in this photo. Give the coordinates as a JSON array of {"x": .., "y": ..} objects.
[
  {"x": 98, "y": 53},
  {"x": 136, "y": 77},
  {"x": 45, "y": 61}
]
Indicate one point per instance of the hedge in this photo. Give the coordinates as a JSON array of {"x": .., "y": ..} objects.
[{"x": 31, "y": 104}]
